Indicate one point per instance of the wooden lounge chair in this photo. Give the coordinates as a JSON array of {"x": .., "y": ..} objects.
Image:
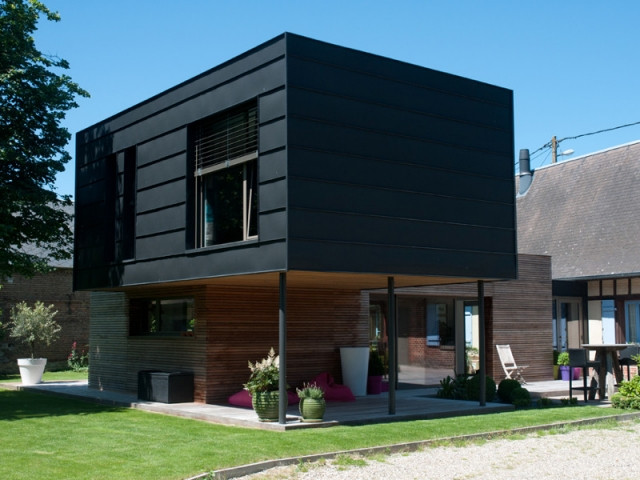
[{"x": 511, "y": 369}]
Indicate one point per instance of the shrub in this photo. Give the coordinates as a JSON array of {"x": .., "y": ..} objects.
[
  {"x": 473, "y": 388},
  {"x": 521, "y": 397},
  {"x": 77, "y": 360},
  {"x": 628, "y": 395},
  {"x": 563, "y": 358},
  {"x": 453, "y": 388},
  {"x": 505, "y": 388},
  {"x": 265, "y": 375},
  {"x": 544, "y": 402}
]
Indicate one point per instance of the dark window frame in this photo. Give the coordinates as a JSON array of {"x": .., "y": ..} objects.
[{"x": 157, "y": 316}]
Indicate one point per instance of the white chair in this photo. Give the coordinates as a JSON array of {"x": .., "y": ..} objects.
[{"x": 511, "y": 369}]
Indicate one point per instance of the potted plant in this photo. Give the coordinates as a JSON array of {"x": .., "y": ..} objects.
[
  {"x": 33, "y": 326},
  {"x": 312, "y": 403},
  {"x": 263, "y": 387},
  {"x": 556, "y": 370},
  {"x": 563, "y": 362},
  {"x": 375, "y": 373}
]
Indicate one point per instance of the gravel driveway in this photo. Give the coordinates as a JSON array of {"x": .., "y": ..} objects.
[{"x": 592, "y": 453}]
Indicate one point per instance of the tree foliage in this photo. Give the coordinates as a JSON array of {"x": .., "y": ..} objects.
[
  {"x": 34, "y": 325},
  {"x": 34, "y": 98}
]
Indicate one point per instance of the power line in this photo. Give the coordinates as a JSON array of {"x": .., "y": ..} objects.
[{"x": 548, "y": 144}]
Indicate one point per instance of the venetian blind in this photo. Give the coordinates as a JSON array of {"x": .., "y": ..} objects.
[{"x": 225, "y": 138}]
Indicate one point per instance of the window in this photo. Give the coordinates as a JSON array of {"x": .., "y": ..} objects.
[
  {"x": 632, "y": 321},
  {"x": 440, "y": 323},
  {"x": 225, "y": 151},
  {"x": 169, "y": 316}
]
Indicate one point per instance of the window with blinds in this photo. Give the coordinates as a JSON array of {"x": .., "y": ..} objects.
[
  {"x": 225, "y": 150},
  {"x": 225, "y": 139}
]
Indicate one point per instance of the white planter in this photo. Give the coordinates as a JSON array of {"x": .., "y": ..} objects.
[
  {"x": 31, "y": 370},
  {"x": 355, "y": 365}
]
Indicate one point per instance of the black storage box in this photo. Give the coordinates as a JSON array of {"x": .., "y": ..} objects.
[{"x": 165, "y": 387}]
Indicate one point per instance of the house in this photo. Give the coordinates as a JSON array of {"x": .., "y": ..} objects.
[
  {"x": 582, "y": 213},
  {"x": 260, "y": 202}
]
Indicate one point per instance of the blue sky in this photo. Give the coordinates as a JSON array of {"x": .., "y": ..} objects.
[{"x": 573, "y": 65}]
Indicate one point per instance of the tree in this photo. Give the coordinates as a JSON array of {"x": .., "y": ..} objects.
[{"x": 34, "y": 98}]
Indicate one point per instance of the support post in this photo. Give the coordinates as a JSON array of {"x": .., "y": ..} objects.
[
  {"x": 282, "y": 350},
  {"x": 483, "y": 347},
  {"x": 393, "y": 344}
]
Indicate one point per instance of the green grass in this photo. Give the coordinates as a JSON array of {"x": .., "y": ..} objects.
[
  {"x": 44, "y": 436},
  {"x": 48, "y": 376}
]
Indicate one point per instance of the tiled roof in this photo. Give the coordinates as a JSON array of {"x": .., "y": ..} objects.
[
  {"x": 585, "y": 213},
  {"x": 39, "y": 252}
]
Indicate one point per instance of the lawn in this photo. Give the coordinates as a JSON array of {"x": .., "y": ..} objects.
[
  {"x": 49, "y": 376},
  {"x": 45, "y": 436}
]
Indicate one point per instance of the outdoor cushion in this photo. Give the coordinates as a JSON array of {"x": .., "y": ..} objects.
[
  {"x": 333, "y": 392},
  {"x": 243, "y": 399}
]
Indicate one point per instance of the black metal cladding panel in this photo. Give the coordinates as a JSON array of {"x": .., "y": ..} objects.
[
  {"x": 390, "y": 259},
  {"x": 161, "y": 196},
  {"x": 163, "y": 171},
  {"x": 302, "y": 48},
  {"x": 119, "y": 137},
  {"x": 273, "y": 166},
  {"x": 401, "y": 175},
  {"x": 158, "y": 221},
  {"x": 169, "y": 243},
  {"x": 273, "y": 196},
  {"x": 396, "y": 231},
  {"x": 161, "y": 147},
  {"x": 273, "y": 226},
  {"x": 378, "y": 162},
  {"x": 272, "y": 106},
  {"x": 219, "y": 76},
  {"x": 379, "y": 201},
  {"x": 273, "y": 135},
  {"x": 399, "y": 94},
  {"x": 263, "y": 258}
]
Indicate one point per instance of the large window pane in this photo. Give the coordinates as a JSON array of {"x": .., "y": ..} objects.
[{"x": 223, "y": 205}]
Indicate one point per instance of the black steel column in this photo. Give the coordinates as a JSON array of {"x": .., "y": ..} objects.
[
  {"x": 483, "y": 347},
  {"x": 393, "y": 344},
  {"x": 282, "y": 350}
]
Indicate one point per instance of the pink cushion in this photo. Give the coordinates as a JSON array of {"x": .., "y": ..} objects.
[
  {"x": 243, "y": 399},
  {"x": 333, "y": 392}
]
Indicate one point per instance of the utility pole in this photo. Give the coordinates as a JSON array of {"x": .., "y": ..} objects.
[{"x": 554, "y": 149}]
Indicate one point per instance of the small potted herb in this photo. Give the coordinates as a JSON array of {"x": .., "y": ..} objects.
[{"x": 312, "y": 402}]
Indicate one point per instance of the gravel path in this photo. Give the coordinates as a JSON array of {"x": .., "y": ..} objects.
[{"x": 592, "y": 453}]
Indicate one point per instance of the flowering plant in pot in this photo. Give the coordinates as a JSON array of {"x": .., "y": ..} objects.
[
  {"x": 312, "y": 402},
  {"x": 33, "y": 326},
  {"x": 263, "y": 386}
]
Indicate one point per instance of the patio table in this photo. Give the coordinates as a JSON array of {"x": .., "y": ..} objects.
[{"x": 607, "y": 355}]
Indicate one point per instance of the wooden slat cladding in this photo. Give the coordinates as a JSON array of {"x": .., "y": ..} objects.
[
  {"x": 243, "y": 325},
  {"x": 119, "y": 357},
  {"x": 233, "y": 325},
  {"x": 518, "y": 313}
]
